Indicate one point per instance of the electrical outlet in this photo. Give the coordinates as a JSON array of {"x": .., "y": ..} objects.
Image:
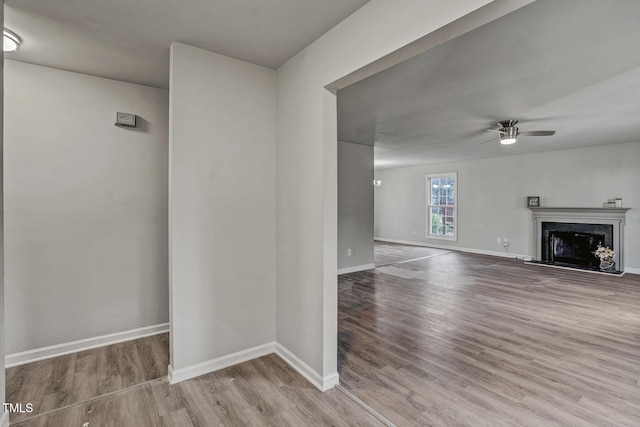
[
  {"x": 499, "y": 239},
  {"x": 348, "y": 252},
  {"x": 505, "y": 242}
]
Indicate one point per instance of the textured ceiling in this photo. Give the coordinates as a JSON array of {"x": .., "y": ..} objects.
[
  {"x": 129, "y": 39},
  {"x": 567, "y": 65}
]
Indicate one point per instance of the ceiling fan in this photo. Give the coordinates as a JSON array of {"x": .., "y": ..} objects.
[{"x": 509, "y": 132}]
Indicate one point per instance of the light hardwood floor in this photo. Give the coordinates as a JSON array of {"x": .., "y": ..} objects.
[
  {"x": 79, "y": 377},
  {"x": 125, "y": 385},
  {"x": 389, "y": 253},
  {"x": 261, "y": 392},
  {"x": 463, "y": 339}
]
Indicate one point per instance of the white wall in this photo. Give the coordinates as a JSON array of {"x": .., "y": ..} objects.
[
  {"x": 222, "y": 206},
  {"x": 492, "y": 192},
  {"x": 85, "y": 207},
  {"x": 306, "y": 159},
  {"x": 355, "y": 206}
]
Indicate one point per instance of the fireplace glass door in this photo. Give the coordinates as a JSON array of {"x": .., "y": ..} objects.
[{"x": 574, "y": 248}]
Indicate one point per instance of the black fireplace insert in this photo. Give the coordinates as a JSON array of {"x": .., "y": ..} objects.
[{"x": 572, "y": 244}]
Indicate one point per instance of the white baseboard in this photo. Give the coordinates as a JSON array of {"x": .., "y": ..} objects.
[
  {"x": 42, "y": 353},
  {"x": 330, "y": 381},
  {"x": 321, "y": 383},
  {"x": 457, "y": 248},
  {"x": 203, "y": 368},
  {"x": 632, "y": 270},
  {"x": 4, "y": 419},
  {"x": 356, "y": 268}
]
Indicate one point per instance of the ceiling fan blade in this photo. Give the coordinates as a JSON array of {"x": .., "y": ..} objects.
[
  {"x": 537, "y": 133},
  {"x": 491, "y": 140},
  {"x": 496, "y": 130}
]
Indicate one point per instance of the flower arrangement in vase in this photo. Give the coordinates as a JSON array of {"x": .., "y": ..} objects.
[{"x": 607, "y": 257}]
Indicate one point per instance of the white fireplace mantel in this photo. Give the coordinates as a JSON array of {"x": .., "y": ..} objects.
[{"x": 612, "y": 216}]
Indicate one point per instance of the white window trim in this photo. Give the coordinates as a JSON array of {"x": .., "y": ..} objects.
[{"x": 428, "y": 178}]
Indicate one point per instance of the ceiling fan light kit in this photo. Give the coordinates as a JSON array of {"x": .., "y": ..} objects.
[{"x": 509, "y": 133}]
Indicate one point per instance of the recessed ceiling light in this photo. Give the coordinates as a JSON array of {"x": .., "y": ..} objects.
[{"x": 11, "y": 42}]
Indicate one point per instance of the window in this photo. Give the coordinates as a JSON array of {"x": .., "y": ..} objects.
[{"x": 442, "y": 218}]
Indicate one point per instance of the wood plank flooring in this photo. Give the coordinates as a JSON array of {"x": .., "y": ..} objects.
[
  {"x": 388, "y": 253},
  {"x": 79, "y": 377},
  {"x": 471, "y": 340},
  {"x": 261, "y": 392}
]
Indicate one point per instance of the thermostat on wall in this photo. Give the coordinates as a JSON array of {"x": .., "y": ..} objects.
[{"x": 126, "y": 120}]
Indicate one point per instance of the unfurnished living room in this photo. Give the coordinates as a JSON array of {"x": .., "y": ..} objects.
[{"x": 339, "y": 212}]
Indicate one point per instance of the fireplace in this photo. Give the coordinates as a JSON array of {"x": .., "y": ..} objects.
[
  {"x": 572, "y": 244},
  {"x": 567, "y": 236}
]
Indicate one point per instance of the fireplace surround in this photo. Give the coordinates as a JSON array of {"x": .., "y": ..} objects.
[{"x": 567, "y": 236}]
